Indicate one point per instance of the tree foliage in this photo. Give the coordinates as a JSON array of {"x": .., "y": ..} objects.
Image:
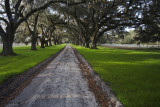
[{"x": 149, "y": 31}]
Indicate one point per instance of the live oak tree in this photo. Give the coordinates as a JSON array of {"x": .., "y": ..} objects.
[
  {"x": 47, "y": 24},
  {"x": 75, "y": 28},
  {"x": 100, "y": 16},
  {"x": 56, "y": 21},
  {"x": 32, "y": 27},
  {"x": 50, "y": 35},
  {"x": 43, "y": 38},
  {"x": 14, "y": 12}
]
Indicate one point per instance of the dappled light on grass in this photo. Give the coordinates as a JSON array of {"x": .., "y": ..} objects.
[
  {"x": 26, "y": 59},
  {"x": 133, "y": 75}
]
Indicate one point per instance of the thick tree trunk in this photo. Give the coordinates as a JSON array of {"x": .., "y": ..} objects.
[
  {"x": 7, "y": 46},
  {"x": 55, "y": 43},
  {"x": 33, "y": 46},
  {"x": 50, "y": 43},
  {"x": 87, "y": 44},
  {"x": 46, "y": 44},
  {"x": 94, "y": 44},
  {"x": 42, "y": 43},
  {"x": 33, "y": 42}
]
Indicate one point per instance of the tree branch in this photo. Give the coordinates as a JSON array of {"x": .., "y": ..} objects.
[
  {"x": 4, "y": 20},
  {"x": 35, "y": 22},
  {"x": 28, "y": 26},
  {"x": 16, "y": 10},
  {"x": 17, "y": 5},
  {"x": 8, "y": 10},
  {"x": 2, "y": 12},
  {"x": 44, "y": 7}
]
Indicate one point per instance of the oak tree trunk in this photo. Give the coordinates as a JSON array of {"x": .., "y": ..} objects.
[
  {"x": 42, "y": 43},
  {"x": 94, "y": 44},
  {"x": 7, "y": 45},
  {"x": 50, "y": 42},
  {"x": 55, "y": 43},
  {"x": 33, "y": 41},
  {"x": 87, "y": 44},
  {"x": 46, "y": 44}
]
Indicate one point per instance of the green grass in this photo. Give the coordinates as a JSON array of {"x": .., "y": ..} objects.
[
  {"x": 133, "y": 75},
  {"x": 13, "y": 65}
]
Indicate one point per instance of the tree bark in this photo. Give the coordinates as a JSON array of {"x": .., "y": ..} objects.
[
  {"x": 50, "y": 42},
  {"x": 87, "y": 44},
  {"x": 7, "y": 46},
  {"x": 42, "y": 45},
  {"x": 94, "y": 44},
  {"x": 42, "y": 42},
  {"x": 55, "y": 43},
  {"x": 46, "y": 43},
  {"x": 33, "y": 41}
]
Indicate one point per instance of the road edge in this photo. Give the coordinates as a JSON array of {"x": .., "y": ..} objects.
[{"x": 104, "y": 87}]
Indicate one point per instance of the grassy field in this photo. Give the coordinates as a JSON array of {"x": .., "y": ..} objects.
[
  {"x": 26, "y": 59},
  {"x": 134, "y": 75}
]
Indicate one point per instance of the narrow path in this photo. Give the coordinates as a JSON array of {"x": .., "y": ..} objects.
[{"x": 60, "y": 84}]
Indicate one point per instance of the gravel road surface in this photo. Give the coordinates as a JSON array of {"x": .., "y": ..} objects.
[{"x": 60, "y": 84}]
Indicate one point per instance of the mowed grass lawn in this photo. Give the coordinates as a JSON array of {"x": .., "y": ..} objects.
[
  {"x": 133, "y": 75},
  {"x": 25, "y": 59}
]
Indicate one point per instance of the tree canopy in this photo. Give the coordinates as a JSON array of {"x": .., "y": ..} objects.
[{"x": 83, "y": 21}]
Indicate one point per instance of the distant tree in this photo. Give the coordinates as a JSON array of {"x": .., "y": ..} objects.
[
  {"x": 58, "y": 35},
  {"x": 47, "y": 25},
  {"x": 76, "y": 34}
]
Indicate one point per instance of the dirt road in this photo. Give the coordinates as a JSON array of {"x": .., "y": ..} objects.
[{"x": 60, "y": 84}]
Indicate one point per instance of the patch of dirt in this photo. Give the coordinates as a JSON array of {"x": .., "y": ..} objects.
[{"x": 14, "y": 85}]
